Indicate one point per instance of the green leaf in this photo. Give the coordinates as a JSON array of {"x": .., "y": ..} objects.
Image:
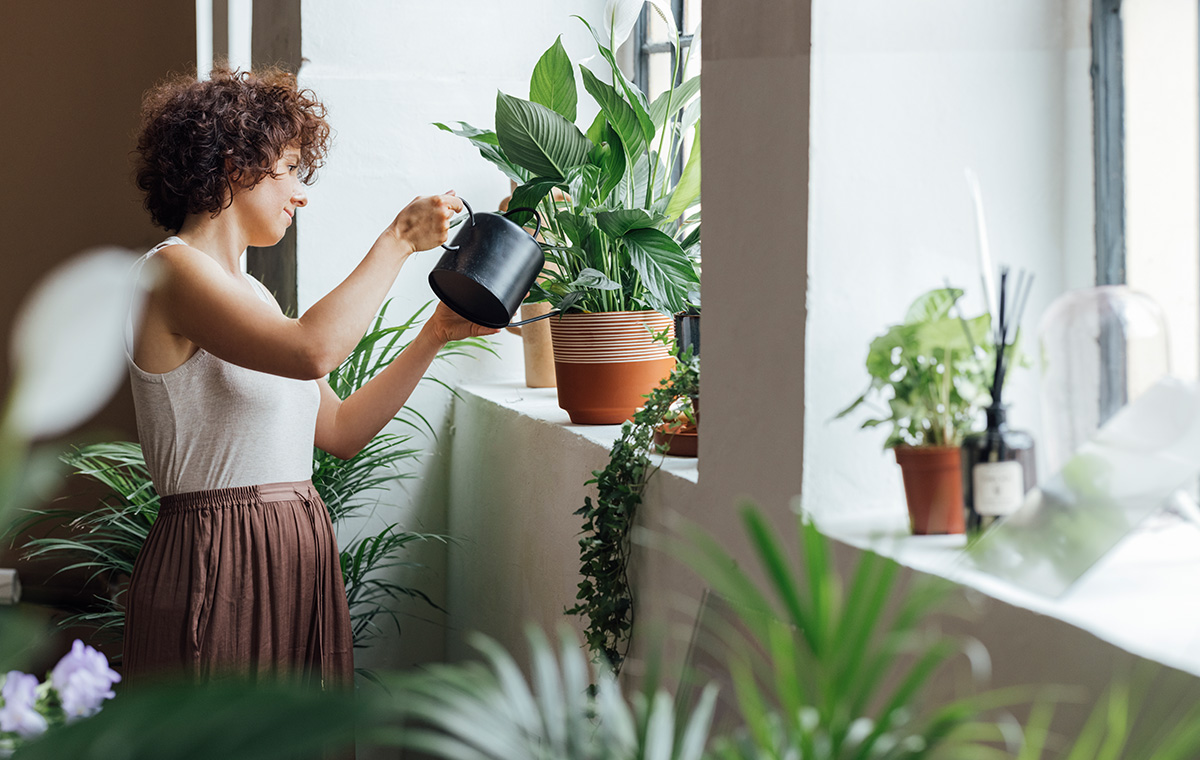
[
  {"x": 666, "y": 271},
  {"x": 636, "y": 98},
  {"x": 635, "y": 185},
  {"x": 678, "y": 98},
  {"x": 609, "y": 155},
  {"x": 688, "y": 189},
  {"x": 617, "y": 111},
  {"x": 948, "y": 333},
  {"x": 553, "y": 82},
  {"x": 593, "y": 279},
  {"x": 935, "y": 304},
  {"x": 583, "y": 182},
  {"x": 691, "y": 240},
  {"x": 617, "y": 223},
  {"x": 537, "y": 138},
  {"x": 529, "y": 195},
  {"x": 489, "y": 147}
]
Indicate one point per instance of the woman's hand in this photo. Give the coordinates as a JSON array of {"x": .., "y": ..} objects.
[
  {"x": 445, "y": 326},
  {"x": 425, "y": 222}
]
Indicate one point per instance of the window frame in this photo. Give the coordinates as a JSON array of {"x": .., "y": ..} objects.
[{"x": 641, "y": 61}]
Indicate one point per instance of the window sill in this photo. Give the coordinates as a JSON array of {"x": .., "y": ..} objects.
[
  {"x": 541, "y": 406},
  {"x": 1139, "y": 597}
]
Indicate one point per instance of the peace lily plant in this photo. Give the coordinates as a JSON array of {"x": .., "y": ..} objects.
[{"x": 616, "y": 235}]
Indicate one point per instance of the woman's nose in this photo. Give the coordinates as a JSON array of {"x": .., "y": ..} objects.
[{"x": 300, "y": 198}]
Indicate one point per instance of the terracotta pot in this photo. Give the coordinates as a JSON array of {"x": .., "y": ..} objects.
[
  {"x": 606, "y": 363},
  {"x": 933, "y": 488},
  {"x": 535, "y": 340}
]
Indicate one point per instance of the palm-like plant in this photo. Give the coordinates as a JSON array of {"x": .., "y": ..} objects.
[
  {"x": 489, "y": 711},
  {"x": 105, "y": 541},
  {"x": 826, "y": 670}
]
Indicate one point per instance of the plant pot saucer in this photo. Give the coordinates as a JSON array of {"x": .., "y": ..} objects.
[{"x": 681, "y": 443}]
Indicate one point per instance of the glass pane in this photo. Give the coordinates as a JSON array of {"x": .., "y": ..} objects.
[
  {"x": 659, "y": 74},
  {"x": 657, "y": 31}
]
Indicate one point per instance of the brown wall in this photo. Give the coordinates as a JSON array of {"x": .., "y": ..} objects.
[{"x": 71, "y": 77}]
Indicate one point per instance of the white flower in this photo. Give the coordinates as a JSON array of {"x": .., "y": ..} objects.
[
  {"x": 18, "y": 713},
  {"x": 83, "y": 681},
  {"x": 621, "y": 15},
  {"x": 68, "y": 353}
]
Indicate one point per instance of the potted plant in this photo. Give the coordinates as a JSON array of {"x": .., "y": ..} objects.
[
  {"x": 619, "y": 245},
  {"x": 932, "y": 372}
]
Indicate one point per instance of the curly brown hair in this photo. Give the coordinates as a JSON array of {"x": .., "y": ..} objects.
[{"x": 198, "y": 138}]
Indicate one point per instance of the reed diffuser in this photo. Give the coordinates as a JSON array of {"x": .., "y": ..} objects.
[{"x": 998, "y": 464}]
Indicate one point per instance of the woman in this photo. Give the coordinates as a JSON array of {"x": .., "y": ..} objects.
[{"x": 240, "y": 573}]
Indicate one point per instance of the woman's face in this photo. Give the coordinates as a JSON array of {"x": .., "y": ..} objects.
[{"x": 267, "y": 209}]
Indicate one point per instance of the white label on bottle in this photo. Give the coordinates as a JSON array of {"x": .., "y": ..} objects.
[{"x": 999, "y": 487}]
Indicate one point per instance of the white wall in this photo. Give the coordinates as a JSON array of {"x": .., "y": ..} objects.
[
  {"x": 905, "y": 96},
  {"x": 1162, "y": 167},
  {"x": 387, "y": 70}
]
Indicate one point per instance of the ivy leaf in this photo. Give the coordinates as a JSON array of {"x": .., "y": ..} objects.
[{"x": 553, "y": 82}]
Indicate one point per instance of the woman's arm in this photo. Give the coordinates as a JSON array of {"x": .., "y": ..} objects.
[
  {"x": 345, "y": 427},
  {"x": 209, "y": 306}
]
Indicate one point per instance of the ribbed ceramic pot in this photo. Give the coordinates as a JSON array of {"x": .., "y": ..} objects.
[{"x": 606, "y": 363}]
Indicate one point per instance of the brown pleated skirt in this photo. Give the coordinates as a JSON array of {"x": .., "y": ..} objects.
[{"x": 240, "y": 582}]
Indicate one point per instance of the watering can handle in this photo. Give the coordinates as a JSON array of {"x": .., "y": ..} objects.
[
  {"x": 536, "y": 216},
  {"x": 471, "y": 216},
  {"x": 551, "y": 313}
]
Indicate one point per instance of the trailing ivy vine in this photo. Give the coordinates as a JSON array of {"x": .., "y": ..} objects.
[{"x": 604, "y": 596}]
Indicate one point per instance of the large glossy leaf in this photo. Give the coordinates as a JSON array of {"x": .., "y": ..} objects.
[
  {"x": 634, "y": 186},
  {"x": 609, "y": 156},
  {"x": 593, "y": 279},
  {"x": 667, "y": 273},
  {"x": 618, "y": 112},
  {"x": 634, "y": 95},
  {"x": 489, "y": 147},
  {"x": 537, "y": 138},
  {"x": 529, "y": 195},
  {"x": 553, "y": 82},
  {"x": 688, "y": 189},
  {"x": 617, "y": 223},
  {"x": 583, "y": 182},
  {"x": 668, "y": 104}
]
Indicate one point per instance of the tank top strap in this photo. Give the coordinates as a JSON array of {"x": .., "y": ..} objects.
[{"x": 133, "y": 316}]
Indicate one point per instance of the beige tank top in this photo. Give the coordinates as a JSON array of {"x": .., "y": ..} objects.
[{"x": 210, "y": 424}]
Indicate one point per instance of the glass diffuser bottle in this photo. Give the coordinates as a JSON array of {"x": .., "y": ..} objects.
[
  {"x": 998, "y": 469},
  {"x": 998, "y": 465}
]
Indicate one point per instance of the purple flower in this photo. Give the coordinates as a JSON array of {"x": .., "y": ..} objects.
[
  {"x": 83, "y": 681},
  {"x": 18, "y": 713}
]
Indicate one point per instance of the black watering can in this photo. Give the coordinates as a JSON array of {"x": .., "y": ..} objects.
[{"x": 489, "y": 268}]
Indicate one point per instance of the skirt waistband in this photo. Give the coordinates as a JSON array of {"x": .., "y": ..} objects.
[{"x": 218, "y": 498}]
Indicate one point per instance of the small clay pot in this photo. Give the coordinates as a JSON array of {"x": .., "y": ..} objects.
[{"x": 933, "y": 488}]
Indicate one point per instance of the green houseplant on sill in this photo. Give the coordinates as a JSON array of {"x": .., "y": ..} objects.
[
  {"x": 619, "y": 243},
  {"x": 932, "y": 372}
]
